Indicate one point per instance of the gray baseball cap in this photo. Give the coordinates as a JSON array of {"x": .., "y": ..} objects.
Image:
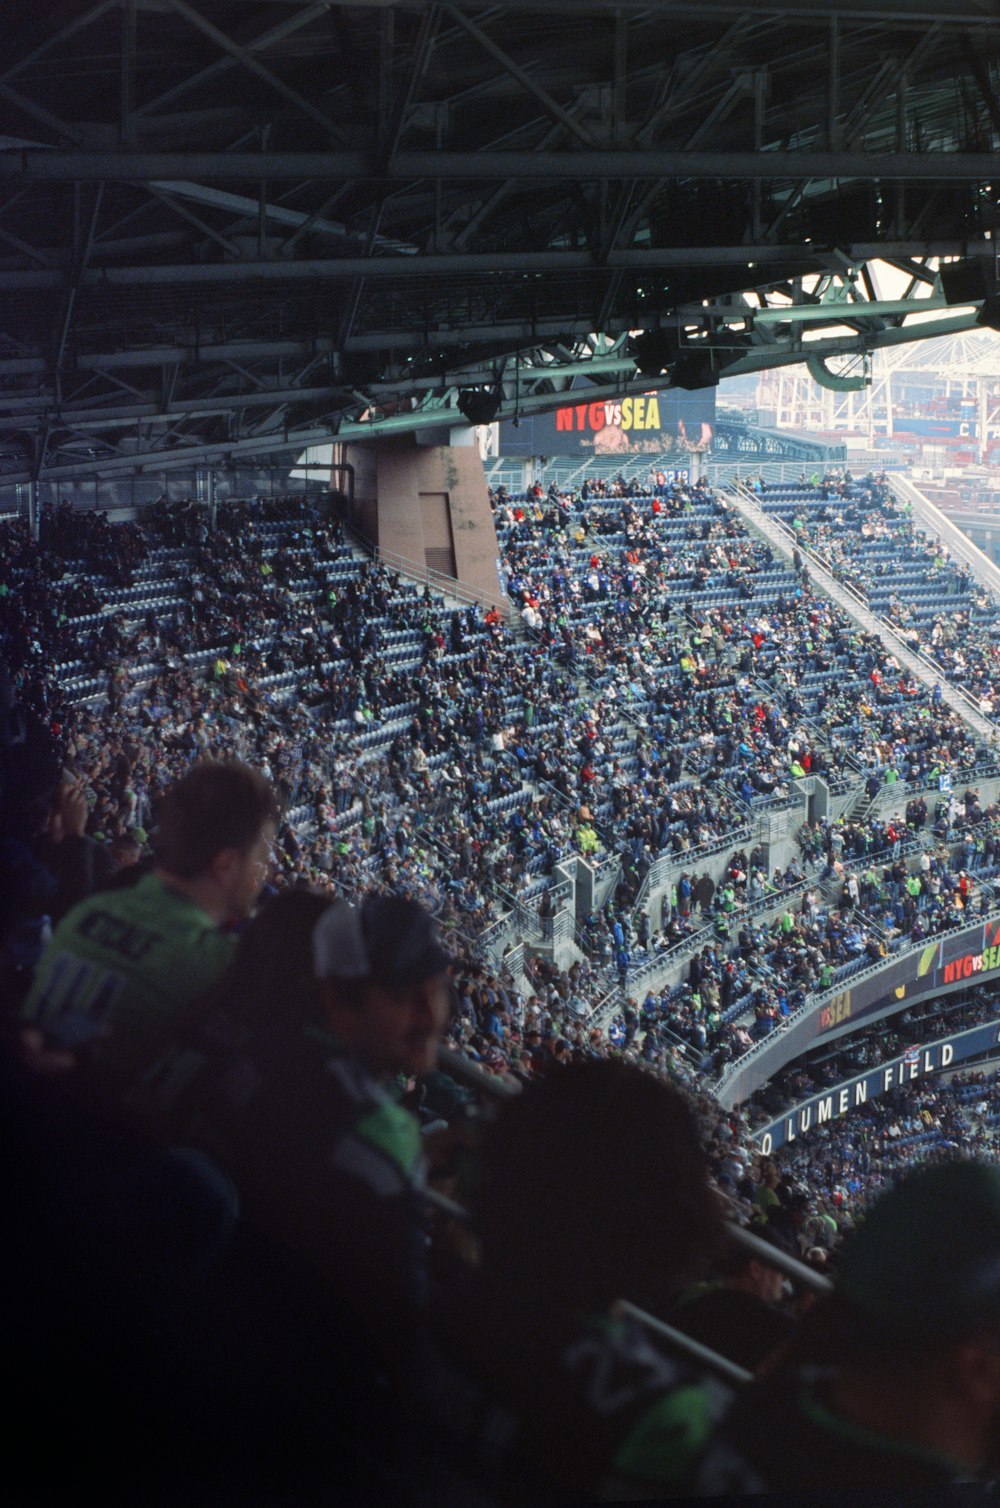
[{"x": 388, "y": 939}]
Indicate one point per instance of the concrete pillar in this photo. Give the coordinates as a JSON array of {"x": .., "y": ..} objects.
[
  {"x": 819, "y": 800},
  {"x": 584, "y": 896}
]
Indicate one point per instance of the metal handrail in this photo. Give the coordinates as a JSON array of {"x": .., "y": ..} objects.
[
  {"x": 958, "y": 543},
  {"x": 812, "y": 1003},
  {"x": 771, "y": 525},
  {"x": 438, "y": 580},
  {"x": 491, "y": 1087}
]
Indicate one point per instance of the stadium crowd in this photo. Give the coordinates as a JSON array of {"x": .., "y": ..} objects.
[{"x": 247, "y": 732}]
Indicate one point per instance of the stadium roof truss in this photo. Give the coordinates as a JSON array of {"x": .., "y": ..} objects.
[{"x": 238, "y": 229}]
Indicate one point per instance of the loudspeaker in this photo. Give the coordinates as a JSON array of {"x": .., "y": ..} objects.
[
  {"x": 694, "y": 369},
  {"x": 479, "y": 405},
  {"x": 989, "y": 314},
  {"x": 653, "y": 351},
  {"x": 966, "y": 282}
]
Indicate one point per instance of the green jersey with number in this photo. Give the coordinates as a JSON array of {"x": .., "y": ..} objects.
[{"x": 120, "y": 969}]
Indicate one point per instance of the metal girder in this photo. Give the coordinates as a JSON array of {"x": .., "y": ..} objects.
[
  {"x": 981, "y": 75},
  {"x": 159, "y": 191},
  {"x": 528, "y": 84},
  {"x": 239, "y": 204},
  {"x": 885, "y": 81},
  {"x": 127, "y": 83},
  {"x": 17, "y": 244},
  {"x": 246, "y": 58},
  {"x": 58, "y": 166},
  {"x": 494, "y": 200},
  {"x": 76, "y": 274},
  {"x": 842, "y": 313},
  {"x": 515, "y": 334},
  {"x": 224, "y": 64},
  {"x": 438, "y": 412},
  {"x": 446, "y": 133},
  {"x": 101, "y": 412},
  {"x": 452, "y": 264},
  {"x": 768, "y": 356},
  {"x": 683, "y": 83},
  {"x": 184, "y": 456},
  {"x": 38, "y": 112},
  {"x": 913, "y": 12}
]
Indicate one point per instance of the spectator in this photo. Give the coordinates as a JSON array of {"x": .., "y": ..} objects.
[
  {"x": 571, "y": 1220},
  {"x": 295, "y": 1099},
  {"x": 123, "y": 965},
  {"x": 741, "y": 1314},
  {"x": 78, "y": 864}
]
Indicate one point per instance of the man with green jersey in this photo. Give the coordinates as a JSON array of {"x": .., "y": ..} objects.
[{"x": 122, "y": 966}]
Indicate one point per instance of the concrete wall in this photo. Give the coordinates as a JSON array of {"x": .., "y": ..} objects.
[{"x": 391, "y": 475}]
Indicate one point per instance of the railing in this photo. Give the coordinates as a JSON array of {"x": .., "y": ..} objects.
[
  {"x": 647, "y": 973},
  {"x": 563, "y": 926},
  {"x": 663, "y": 866},
  {"x": 987, "y": 770},
  {"x": 813, "y": 1003},
  {"x": 499, "y": 1090},
  {"x": 772, "y": 900},
  {"x": 603, "y": 865},
  {"x": 437, "y": 581},
  {"x": 885, "y": 626},
  {"x": 958, "y": 542},
  {"x": 856, "y": 606},
  {"x": 514, "y": 961},
  {"x": 491, "y": 937}
]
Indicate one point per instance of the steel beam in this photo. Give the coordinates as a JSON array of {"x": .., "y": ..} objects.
[
  {"x": 515, "y": 334},
  {"x": 519, "y": 74},
  {"x": 128, "y": 60},
  {"x": 838, "y": 313},
  {"x": 441, "y": 416},
  {"x": 38, "y": 112},
  {"x": 911, "y": 12},
  {"x": 250, "y": 63},
  {"x": 473, "y": 264},
  {"x": 221, "y": 65},
  {"x": 57, "y": 166},
  {"x": 240, "y": 204},
  {"x": 158, "y": 190}
]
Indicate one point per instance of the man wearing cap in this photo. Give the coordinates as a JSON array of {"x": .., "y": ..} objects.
[{"x": 305, "y": 1120}]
